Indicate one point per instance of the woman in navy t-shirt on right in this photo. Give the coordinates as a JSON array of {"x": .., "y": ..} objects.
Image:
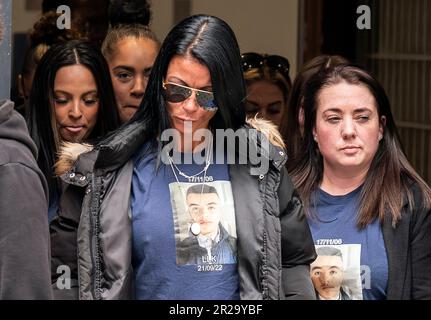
[{"x": 361, "y": 194}]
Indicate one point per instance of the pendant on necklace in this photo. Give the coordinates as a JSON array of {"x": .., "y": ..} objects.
[{"x": 195, "y": 228}]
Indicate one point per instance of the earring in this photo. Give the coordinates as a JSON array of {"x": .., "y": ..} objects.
[{"x": 315, "y": 137}]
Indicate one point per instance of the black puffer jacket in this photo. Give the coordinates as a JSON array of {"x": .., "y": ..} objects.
[{"x": 275, "y": 246}]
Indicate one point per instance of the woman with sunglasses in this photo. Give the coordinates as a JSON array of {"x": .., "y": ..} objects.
[
  {"x": 268, "y": 85},
  {"x": 139, "y": 195}
]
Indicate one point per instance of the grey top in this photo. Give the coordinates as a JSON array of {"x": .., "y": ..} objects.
[{"x": 24, "y": 235}]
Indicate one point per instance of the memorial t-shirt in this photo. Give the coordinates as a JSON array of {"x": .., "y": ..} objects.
[
  {"x": 184, "y": 233},
  {"x": 360, "y": 254}
]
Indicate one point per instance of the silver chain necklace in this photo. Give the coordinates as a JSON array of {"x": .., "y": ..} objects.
[
  {"x": 195, "y": 228},
  {"x": 190, "y": 178},
  {"x": 181, "y": 173}
]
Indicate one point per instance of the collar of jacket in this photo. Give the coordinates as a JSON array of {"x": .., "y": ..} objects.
[
  {"x": 79, "y": 160},
  {"x": 261, "y": 144}
]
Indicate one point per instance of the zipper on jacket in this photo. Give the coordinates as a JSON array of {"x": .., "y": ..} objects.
[
  {"x": 94, "y": 234},
  {"x": 262, "y": 184},
  {"x": 265, "y": 295}
]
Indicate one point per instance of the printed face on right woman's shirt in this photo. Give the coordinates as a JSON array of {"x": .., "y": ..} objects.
[{"x": 327, "y": 276}]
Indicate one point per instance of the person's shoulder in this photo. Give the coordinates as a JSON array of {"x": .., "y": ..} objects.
[
  {"x": 186, "y": 250},
  {"x": 145, "y": 155},
  {"x": 417, "y": 210},
  {"x": 13, "y": 174},
  {"x": 188, "y": 242},
  {"x": 16, "y": 145},
  {"x": 344, "y": 295},
  {"x": 419, "y": 193},
  {"x": 15, "y": 152}
]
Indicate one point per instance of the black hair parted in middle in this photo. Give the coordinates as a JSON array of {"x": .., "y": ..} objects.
[
  {"x": 212, "y": 42},
  {"x": 41, "y": 111}
]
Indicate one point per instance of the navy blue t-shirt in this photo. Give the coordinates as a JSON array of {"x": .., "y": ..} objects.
[
  {"x": 360, "y": 253},
  {"x": 53, "y": 208},
  {"x": 169, "y": 260}
]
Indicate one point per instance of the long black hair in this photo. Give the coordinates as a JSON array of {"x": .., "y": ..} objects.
[
  {"x": 212, "y": 42},
  {"x": 41, "y": 119}
]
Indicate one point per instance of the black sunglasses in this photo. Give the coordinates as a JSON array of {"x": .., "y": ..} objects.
[
  {"x": 252, "y": 60},
  {"x": 174, "y": 92}
]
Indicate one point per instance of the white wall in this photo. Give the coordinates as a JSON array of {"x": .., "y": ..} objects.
[
  {"x": 163, "y": 16},
  {"x": 22, "y": 19},
  {"x": 265, "y": 26}
]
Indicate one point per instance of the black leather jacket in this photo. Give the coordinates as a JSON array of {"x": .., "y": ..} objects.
[
  {"x": 408, "y": 247},
  {"x": 274, "y": 242}
]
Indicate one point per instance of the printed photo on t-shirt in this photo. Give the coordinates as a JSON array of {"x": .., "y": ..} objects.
[
  {"x": 336, "y": 272},
  {"x": 204, "y": 219}
]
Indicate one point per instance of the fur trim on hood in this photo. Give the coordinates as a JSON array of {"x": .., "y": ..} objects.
[
  {"x": 69, "y": 153},
  {"x": 269, "y": 129}
]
